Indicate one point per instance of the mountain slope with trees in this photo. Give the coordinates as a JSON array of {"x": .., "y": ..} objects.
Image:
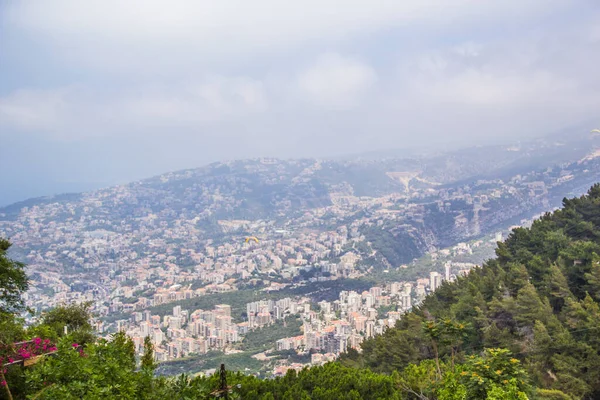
[{"x": 539, "y": 298}]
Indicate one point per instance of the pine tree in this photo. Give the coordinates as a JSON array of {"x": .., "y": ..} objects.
[
  {"x": 147, "y": 362},
  {"x": 529, "y": 307},
  {"x": 593, "y": 277},
  {"x": 558, "y": 288},
  {"x": 13, "y": 281}
]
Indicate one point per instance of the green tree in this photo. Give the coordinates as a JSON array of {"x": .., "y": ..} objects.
[
  {"x": 75, "y": 318},
  {"x": 494, "y": 373},
  {"x": 13, "y": 281},
  {"x": 103, "y": 370},
  {"x": 147, "y": 362}
]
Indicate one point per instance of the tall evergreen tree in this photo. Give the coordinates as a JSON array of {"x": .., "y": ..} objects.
[
  {"x": 147, "y": 362},
  {"x": 13, "y": 281}
]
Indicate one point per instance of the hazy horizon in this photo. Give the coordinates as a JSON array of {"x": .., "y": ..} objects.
[
  {"x": 59, "y": 188},
  {"x": 99, "y": 93}
]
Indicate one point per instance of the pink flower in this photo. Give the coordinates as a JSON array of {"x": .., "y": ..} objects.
[
  {"x": 10, "y": 359},
  {"x": 75, "y": 345},
  {"x": 2, "y": 383},
  {"x": 37, "y": 340},
  {"x": 46, "y": 341}
]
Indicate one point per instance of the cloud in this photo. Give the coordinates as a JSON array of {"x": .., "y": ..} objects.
[
  {"x": 211, "y": 100},
  {"x": 39, "y": 110},
  {"x": 335, "y": 81},
  {"x": 279, "y": 70},
  {"x": 503, "y": 89},
  {"x": 146, "y": 37},
  {"x": 78, "y": 112}
]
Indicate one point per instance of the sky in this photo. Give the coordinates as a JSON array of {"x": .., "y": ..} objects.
[{"x": 100, "y": 92}]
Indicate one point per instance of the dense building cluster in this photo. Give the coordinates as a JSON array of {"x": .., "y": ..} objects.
[{"x": 328, "y": 328}]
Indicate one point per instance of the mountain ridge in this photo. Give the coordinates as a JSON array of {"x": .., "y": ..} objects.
[{"x": 379, "y": 214}]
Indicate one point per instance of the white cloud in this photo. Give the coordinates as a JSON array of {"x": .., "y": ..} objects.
[
  {"x": 335, "y": 81},
  {"x": 517, "y": 83},
  {"x": 76, "y": 112},
  {"x": 144, "y": 36},
  {"x": 37, "y": 110},
  {"x": 213, "y": 99}
]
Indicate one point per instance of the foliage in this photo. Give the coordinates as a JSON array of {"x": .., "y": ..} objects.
[
  {"x": 147, "y": 362},
  {"x": 105, "y": 369},
  {"x": 12, "y": 357},
  {"x": 492, "y": 375},
  {"x": 331, "y": 381},
  {"x": 76, "y": 319},
  {"x": 243, "y": 362},
  {"x": 264, "y": 338},
  {"x": 396, "y": 247},
  {"x": 13, "y": 281}
]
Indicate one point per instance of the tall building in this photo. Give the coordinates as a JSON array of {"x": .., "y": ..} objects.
[
  {"x": 435, "y": 280},
  {"x": 372, "y": 314},
  {"x": 223, "y": 309},
  {"x": 369, "y": 300},
  {"x": 176, "y": 311},
  {"x": 370, "y": 329},
  {"x": 145, "y": 329},
  {"x": 406, "y": 302},
  {"x": 447, "y": 270},
  {"x": 325, "y": 307}
]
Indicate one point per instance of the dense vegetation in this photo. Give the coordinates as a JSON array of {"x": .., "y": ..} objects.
[
  {"x": 264, "y": 338},
  {"x": 396, "y": 246},
  {"x": 526, "y": 325}
]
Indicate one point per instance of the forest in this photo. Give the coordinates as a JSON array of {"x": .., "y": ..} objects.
[{"x": 524, "y": 325}]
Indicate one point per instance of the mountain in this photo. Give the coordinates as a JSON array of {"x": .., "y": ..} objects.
[{"x": 189, "y": 226}]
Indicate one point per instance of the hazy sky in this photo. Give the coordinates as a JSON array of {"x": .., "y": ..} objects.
[{"x": 94, "y": 92}]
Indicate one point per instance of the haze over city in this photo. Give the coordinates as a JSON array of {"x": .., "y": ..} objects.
[{"x": 101, "y": 92}]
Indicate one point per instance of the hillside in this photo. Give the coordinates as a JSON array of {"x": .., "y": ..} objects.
[
  {"x": 539, "y": 298},
  {"x": 189, "y": 226}
]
